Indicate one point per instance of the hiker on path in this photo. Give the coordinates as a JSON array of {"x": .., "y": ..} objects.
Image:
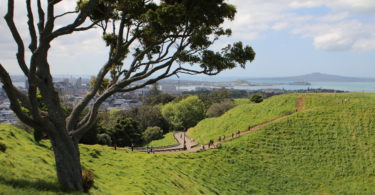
[{"x": 132, "y": 146}]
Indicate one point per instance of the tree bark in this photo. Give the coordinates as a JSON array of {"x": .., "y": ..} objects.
[{"x": 67, "y": 157}]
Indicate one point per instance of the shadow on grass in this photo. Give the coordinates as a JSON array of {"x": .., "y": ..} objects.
[{"x": 26, "y": 184}]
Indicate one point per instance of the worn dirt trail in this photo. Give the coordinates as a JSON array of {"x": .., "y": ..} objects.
[{"x": 191, "y": 146}]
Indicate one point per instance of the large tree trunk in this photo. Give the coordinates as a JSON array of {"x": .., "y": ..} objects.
[{"x": 67, "y": 157}]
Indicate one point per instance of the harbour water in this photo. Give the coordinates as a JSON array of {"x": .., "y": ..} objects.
[{"x": 343, "y": 86}]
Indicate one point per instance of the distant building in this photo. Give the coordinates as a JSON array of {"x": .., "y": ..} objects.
[
  {"x": 78, "y": 83},
  {"x": 169, "y": 89}
]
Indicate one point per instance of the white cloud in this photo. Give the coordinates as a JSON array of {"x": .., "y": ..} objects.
[
  {"x": 357, "y": 6},
  {"x": 341, "y": 25},
  {"x": 68, "y": 48}
]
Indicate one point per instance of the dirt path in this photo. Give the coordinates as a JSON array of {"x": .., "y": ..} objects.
[
  {"x": 215, "y": 144},
  {"x": 191, "y": 146},
  {"x": 299, "y": 104}
]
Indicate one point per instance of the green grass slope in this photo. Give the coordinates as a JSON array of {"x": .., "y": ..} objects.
[
  {"x": 243, "y": 117},
  {"x": 167, "y": 140},
  {"x": 25, "y": 167},
  {"x": 328, "y": 149}
]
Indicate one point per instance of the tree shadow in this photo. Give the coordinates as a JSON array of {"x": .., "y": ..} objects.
[{"x": 37, "y": 185}]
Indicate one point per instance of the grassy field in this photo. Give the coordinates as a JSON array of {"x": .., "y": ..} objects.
[
  {"x": 243, "y": 117},
  {"x": 167, "y": 140},
  {"x": 325, "y": 150},
  {"x": 240, "y": 101}
]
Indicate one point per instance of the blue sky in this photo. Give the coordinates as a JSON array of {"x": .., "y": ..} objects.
[{"x": 290, "y": 37}]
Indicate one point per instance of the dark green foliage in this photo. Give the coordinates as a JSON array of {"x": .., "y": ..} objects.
[
  {"x": 217, "y": 109},
  {"x": 159, "y": 99},
  {"x": 180, "y": 98},
  {"x": 239, "y": 93},
  {"x": 216, "y": 96},
  {"x": 91, "y": 136},
  {"x": 104, "y": 139},
  {"x": 152, "y": 133},
  {"x": 256, "y": 98},
  {"x": 87, "y": 179},
  {"x": 3, "y": 147},
  {"x": 198, "y": 22},
  {"x": 126, "y": 133},
  {"x": 147, "y": 116}
]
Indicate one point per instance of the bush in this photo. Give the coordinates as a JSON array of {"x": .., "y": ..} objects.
[
  {"x": 152, "y": 133},
  {"x": 219, "y": 109},
  {"x": 256, "y": 98},
  {"x": 104, "y": 139},
  {"x": 3, "y": 147},
  {"x": 87, "y": 180}
]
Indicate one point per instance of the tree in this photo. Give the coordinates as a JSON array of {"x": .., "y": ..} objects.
[
  {"x": 184, "y": 114},
  {"x": 216, "y": 96},
  {"x": 152, "y": 133},
  {"x": 217, "y": 109},
  {"x": 256, "y": 98},
  {"x": 158, "y": 41},
  {"x": 126, "y": 132},
  {"x": 159, "y": 99},
  {"x": 146, "y": 116}
]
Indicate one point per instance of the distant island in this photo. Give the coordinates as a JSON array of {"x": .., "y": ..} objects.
[{"x": 318, "y": 77}]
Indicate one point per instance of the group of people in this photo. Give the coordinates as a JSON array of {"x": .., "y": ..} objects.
[
  {"x": 344, "y": 101},
  {"x": 149, "y": 150}
]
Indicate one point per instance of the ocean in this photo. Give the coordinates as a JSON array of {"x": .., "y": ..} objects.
[{"x": 343, "y": 86}]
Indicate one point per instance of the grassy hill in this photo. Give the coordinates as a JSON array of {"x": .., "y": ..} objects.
[
  {"x": 167, "y": 140},
  {"x": 243, "y": 117},
  {"x": 326, "y": 149}
]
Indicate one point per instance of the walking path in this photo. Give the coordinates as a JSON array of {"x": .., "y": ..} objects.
[{"x": 191, "y": 146}]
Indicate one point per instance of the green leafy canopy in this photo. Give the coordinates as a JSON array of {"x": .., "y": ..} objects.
[{"x": 154, "y": 26}]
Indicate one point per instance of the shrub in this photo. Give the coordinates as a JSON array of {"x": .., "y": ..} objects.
[
  {"x": 256, "y": 98},
  {"x": 104, "y": 139},
  {"x": 3, "y": 147},
  {"x": 219, "y": 109},
  {"x": 152, "y": 133},
  {"x": 87, "y": 180}
]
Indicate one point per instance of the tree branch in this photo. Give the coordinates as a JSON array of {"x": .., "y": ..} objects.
[
  {"x": 41, "y": 18},
  {"x": 66, "y": 13},
  {"x": 80, "y": 19},
  {"x": 32, "y": 31},
  {"x": 17, "y": 38},
  {"x": 14, "y": 99}
]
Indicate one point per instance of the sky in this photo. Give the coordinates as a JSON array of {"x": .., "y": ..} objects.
[{"x": 290, "y": 37}]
